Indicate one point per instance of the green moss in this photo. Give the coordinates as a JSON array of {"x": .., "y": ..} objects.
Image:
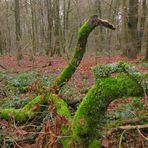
[
  {"x": 94, "y": 144},
  {"x": 114, "y": 124},
  {"x": 79, "y": 51},
  {"x": 62, "y": 110},
  {"x": 61, "y": 106},
  {"x": 94, "y": 105},
  {"x": 104, "y": 71},
  {"x": 85, "y": 29},
  {"x": 18, "y": 114},
  {"x": 36, "y": 101},
  {"x": 25, "y": 113}
]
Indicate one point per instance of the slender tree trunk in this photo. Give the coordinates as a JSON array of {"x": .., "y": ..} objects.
[
  {"x": 33, "y": 32},
  {"x": 141, "y": 30},
  {"x": 33, "y": 26},
  {"x": 36, "y": 23},
  {"x": 64, "y": 27},
  {"x": 8, "y": 27},
  {"x": 108, "y": 31},
  {"x": 41, "y": 25},
  {"x": 99, "y": 12},
  {"x": 146, "y": 54},
  {"x": 18, "y": 31},
  {"x": 1, "y": 47},
  {"x": 65, "y": 36},
  {"x": 56, "y": 49},
  {"x": 68, "y": 37},
  {"x": 49, "y": 26},
  {"x": 67, "y": 16},
  {"x": 133, "y": 32},
  {"x": 124, "y": 28}
]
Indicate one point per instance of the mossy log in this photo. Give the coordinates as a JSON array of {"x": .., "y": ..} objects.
[
  {"x": 91, "y": 111},
  {"x": 25, "y": 113}
]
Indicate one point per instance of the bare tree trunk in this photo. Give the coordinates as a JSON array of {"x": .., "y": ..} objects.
[
  {"x": 68, "y": 37},
  {"x": 141, "y": 30},
  {"x": 33, "y": 32},
  {"x": 108, "y": 31},
  {"x": 124, "y": 28},
  {"x": 41, "y": 25},
  {"x": 18, "y": 31},
  {"x": 49, "y": 26},
  {"x": 99, "y": 12},
  {"x": 1, "y": 47},
  {"x": 56, "y": 49},
  {"x": 67, "y": 16},
  {"x": 64, "y": 27},
  {"x": 8, "y": 27},
  {"x": 132, "y": 25},
  {"x": 146, "y": 54}
]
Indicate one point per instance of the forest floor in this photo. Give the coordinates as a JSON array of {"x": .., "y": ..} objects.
[
  {"x": 44, "y": 64},
  {"x": 80, "y": 81}
]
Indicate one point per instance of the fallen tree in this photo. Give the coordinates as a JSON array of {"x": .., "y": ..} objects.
[
  {"x": 92, "y": 109},
  {"x": 33, "y": 107}
]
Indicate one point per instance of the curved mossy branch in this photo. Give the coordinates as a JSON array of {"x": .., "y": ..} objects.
[
  {"x": 34, "y": 107},
  {"x": 61, "y": 106},
  {"x": 27, "y": 112},
  {"x": 79, "y": 50},
  {"x": 103, "y": 71},
  {"x": 91, "y": 111},
  {"x": 63, "y": 111}
]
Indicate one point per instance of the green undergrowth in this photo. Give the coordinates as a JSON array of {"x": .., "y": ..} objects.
[
  {"x": 125, "y": 112},
  {"x": 20, "y": 88},
  {"x": 19, "y": 82}
]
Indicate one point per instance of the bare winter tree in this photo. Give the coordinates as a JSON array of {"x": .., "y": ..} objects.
[
  {"x": 132, "y": 25},
  {"x": 18, "y": 31}
]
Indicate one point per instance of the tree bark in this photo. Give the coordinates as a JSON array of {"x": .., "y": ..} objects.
[
  {"x": 57, "y": 29},
  {"x": 142, "y": 24},
  {"x": 124, "y": 29},
  {"x": 18, "y": 31},
  {"x": 8, "y": 28},
  {"x": 49, "y": 27},
  {"x": 1, "y": 47},
  {"x": 133, "y": 32},
  {"x": 146, "y": 54}
]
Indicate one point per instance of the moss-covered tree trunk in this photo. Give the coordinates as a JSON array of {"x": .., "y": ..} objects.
[
  {"x": 79, "y": 50},
  {"x": 91, "y": 111}
]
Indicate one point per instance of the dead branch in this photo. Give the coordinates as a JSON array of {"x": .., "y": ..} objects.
[
  {"x": 3, "y": 67},
  {"x": 127, "y": 127}
]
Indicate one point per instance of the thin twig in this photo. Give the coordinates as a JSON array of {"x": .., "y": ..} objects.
[
  {"x": 142, "y": 134},
  {"x": 128, "y": 127},
  {"x": 120, "y": 142}
]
